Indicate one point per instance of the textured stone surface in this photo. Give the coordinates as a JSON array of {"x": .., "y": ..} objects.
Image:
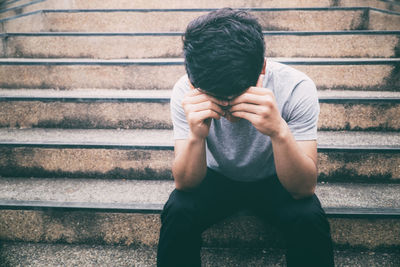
[
  {"x": 126, "y": 4},
  {"x": 70, "y": 191},
  {"x": 111, "y": 47},
  {"x": 30, "y": 254},
  {"x": 125, "y": 74},
  {"x": 111, "y": 161},
  {"x": 143, "y": 229},
  {"x": 85, "y": 115},
  {"x": 94, "y": 163},
  {"x": 373, "y": 116},
  {"x": 90, "y": 76},
  {"x": 144, "y": 115},
  {"x": 382, "y": 21},
  {"x": 359, "y": 166},
  {"x": 137, "y": 21}
]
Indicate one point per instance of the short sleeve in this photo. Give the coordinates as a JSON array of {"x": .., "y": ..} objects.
[
  {"x": 181, "y": 127},
  {"x": 302, "y": 111}
]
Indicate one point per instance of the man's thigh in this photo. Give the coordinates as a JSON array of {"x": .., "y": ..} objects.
[
  {"x": 216, "y": 198},
  {"x": 274, "y": 203}
]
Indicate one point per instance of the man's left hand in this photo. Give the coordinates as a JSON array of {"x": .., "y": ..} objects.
[{"x": 259, "y": 107}]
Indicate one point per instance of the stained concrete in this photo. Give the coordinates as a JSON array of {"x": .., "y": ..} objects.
[
  {"x": 153, "y": 46},
  {"x": 102, "y": 192},
  {"x": 49, "y": 255},
  {"x": 153, "y": 163},
  {"x": 143, "y": 230},
  {"x": 137, "y": 21},
  {"x": 126, "y": 74},
  {"x": 96, "y": 114}
]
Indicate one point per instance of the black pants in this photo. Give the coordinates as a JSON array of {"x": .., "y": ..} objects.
[{"x": 187, "y": 214}]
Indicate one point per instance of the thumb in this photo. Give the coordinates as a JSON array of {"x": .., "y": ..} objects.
[{"x": 260, "y": 80}]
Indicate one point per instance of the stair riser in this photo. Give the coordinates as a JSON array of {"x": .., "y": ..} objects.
[
  {"x": 156, "y": 164},
  {"x": 126, "y": 76},
  {"x": 136, "y": 21},
  {"x": 143, "y": 229},
  {"x": 233, "y": 4},
  {"x": 153, "y": 115},
  {"x": 22, "y": 7},
  {"x": 126, "y": 4},
  {"x": 113, "y": 47}
]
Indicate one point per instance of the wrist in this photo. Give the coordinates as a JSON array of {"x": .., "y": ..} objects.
[
  {"x": 195, "y": 139},
  {"x": 282, "y": 132}
]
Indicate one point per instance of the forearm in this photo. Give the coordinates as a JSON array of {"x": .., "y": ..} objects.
[
  {"x": 296, "y": 171},
  {"x": 190, "y": 166}
]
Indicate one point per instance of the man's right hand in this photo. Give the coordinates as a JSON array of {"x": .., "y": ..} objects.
[{"x": 200, "y": 108}]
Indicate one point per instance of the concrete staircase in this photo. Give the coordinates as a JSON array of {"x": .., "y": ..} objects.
[{"x": 86, "y": 142}]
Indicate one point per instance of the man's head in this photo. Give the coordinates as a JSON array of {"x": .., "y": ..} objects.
[{"x": 224, "y": 52}]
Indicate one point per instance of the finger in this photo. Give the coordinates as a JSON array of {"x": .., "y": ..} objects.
[
  {"x": 260, "y": 80},
  {"x": 206, "y": 114},
  {"x": 248, "y": 98},
  {"x": 252, "y": 118},
  {"x": 198, "y": 97},
  {"x": 245, "y": 107},
  {"x": 207, "y": 105}
]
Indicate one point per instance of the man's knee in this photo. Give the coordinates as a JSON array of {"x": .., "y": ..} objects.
[
  {"x": 179, "y": 209},
  {"x": 303, "y": 215}
]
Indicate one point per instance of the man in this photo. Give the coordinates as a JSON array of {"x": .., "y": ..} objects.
[{"x": 245, "y": 138}]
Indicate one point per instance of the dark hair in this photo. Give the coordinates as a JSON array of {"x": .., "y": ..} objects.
[{"x": 224, "y": 52}]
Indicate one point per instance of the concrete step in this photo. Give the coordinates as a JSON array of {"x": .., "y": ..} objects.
[
  {"x": 148, "y": 154},
  {"x": 126, "y": 4},
  {"x": 354, "y": 74},
  {"x": 18, "y": 8},
  {"x": 21, "y": 7},
  {"x": 127, "y": 212},
  {"x": 49, "y": 255},
  {"x": 338, "y": 44},
  {"x": 14, "y": 8},
  {"x": 388, "y": 5},
  {"x": 113, "y": 109},
  {"x": 172, "y": 20}
]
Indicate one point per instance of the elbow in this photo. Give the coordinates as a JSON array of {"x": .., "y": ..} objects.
[
  {"x": 305, "y": 193},
  {"x": 181, "y": 186}
]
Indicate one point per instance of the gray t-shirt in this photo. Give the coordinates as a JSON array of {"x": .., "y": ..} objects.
[{"x": 238, "y": 150}]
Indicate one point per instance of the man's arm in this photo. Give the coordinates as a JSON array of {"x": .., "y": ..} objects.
[
  {"x": 295, "y": 162},
  {"x": 189, "y": 166}
]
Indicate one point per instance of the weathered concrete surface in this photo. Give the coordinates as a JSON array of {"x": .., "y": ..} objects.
[
  {"x": 157, "y": 21},
  {"x": 382, "y": 21},
  {"x": 344, "y": 166},
  {"x": 90, "y": 76},
  {"x": 108, "y": 160},
  {"x": 94, "y": 163},
  {"x": 127, "y": 74},
  {"x": 85, "y": 115},
  {"x": 126, "y": 4},
  {"x": 49, "y": 255},
  {"x": 143, "y": 229},
  {"x": 105, "y": 47},
  {"x": 154, "y": 46},
  {"x": 373, "y": 116},
  {"x": 98, "y": 114},
  {"x": 121, "y": 193},
  {"x": 22, "y": 7}
]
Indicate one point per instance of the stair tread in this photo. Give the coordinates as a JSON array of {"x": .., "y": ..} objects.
[
  {"x": 180, "y": 60},
  {"x": 16, "y": 253},
  {"x": 151, "y": 195},
  {"x": 104, "y": 94},
  {"x": 164, "y": 138}
]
